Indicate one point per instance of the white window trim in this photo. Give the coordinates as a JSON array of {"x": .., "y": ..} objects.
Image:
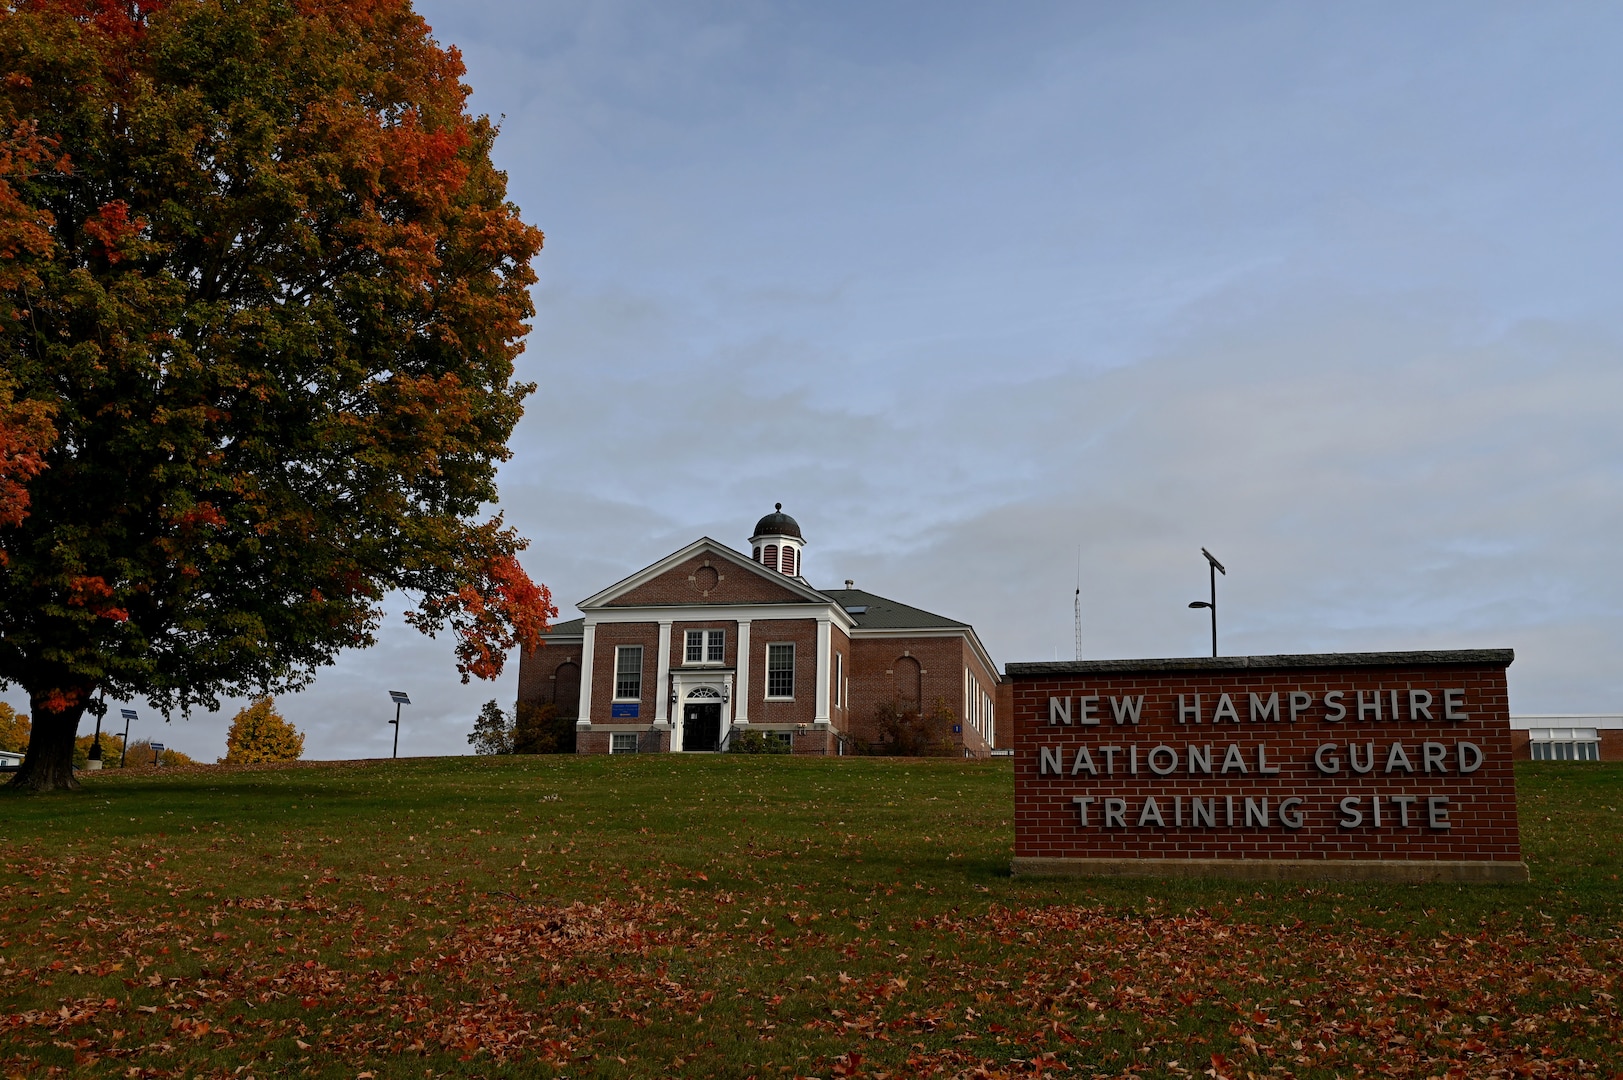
[
  {"x": 619, "y": 738},
  {"x": 1551, "y": 750},
  {"x": 641, "y": 660},
  {"x": 839, "y": 679},
  {"x": 705, "y": 636},
  {"x": 770, "y": 696}
]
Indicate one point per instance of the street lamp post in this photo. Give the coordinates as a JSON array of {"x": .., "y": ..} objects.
[
  {"x": 123, "y": 751},
  {"x": 399, "y": 698},
  {"x": 1216, "y": 568}
]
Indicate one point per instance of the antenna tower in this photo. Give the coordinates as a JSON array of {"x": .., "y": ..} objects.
[{"x": 1077, "y": 603}]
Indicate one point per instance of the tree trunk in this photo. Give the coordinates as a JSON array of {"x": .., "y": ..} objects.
[{"x": 48, "y": 765}]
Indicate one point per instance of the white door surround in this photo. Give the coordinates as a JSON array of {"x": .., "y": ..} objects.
[{"x": 704, "y": 687}]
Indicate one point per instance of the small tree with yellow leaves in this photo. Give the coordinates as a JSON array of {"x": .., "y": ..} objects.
[
  {"x": 259, "y": 734},
  {"x": 14, "y": 729}
]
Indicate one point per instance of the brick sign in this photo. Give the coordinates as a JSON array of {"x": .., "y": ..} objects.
[{"x": 1394, "y": 766}]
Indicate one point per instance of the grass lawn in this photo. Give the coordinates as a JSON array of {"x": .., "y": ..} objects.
[{"x": 768, "y": 917}]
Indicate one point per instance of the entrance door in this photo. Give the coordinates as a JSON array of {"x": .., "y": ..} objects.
[{"x": 701, "y": 726}]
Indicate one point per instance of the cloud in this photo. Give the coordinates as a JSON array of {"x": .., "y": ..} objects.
[
  {"x": 1375, "y": 475},
  {"x": 972, "y": 292}
]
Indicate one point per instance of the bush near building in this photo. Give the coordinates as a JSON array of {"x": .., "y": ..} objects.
[
  {"x": 902, "y": 729},
  {"x": 755, "y": 742},
  {"x": 261, "y": 734},
  {"x": 538, "y": 729}
]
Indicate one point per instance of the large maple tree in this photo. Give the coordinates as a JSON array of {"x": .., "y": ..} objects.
[{"x": 261, "y": 291}]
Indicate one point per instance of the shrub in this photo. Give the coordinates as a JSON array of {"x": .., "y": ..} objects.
[
  {"x": 538, "y": 729},
  {"x": 259, "y": 734},
  {"x": 140, "y": 755},
  {"x": 756, "y": 742},
  {"x": 901, "y": 729}
]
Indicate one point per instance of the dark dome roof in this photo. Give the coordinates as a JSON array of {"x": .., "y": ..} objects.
[{"x": 778, "y": 523}]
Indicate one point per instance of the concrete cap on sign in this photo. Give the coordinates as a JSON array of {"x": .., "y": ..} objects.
[{"x": 1284, "y": 660}]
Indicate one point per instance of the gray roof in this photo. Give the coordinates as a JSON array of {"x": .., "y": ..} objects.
[
  {"x": 883, "y": 614},
  {"x": 1286, "y": 660}
]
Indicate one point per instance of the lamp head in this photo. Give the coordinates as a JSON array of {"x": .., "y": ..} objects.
[{"x": 1199, "y": 603}]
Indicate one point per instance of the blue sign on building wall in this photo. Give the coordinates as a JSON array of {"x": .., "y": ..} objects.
[{"x": 628, "y": 710}]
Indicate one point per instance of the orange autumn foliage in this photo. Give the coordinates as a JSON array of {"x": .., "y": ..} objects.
[{"x": 263, "y": 376}]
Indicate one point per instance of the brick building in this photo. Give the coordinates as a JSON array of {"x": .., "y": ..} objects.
[
  {"x": 708, "y": 643},
  {"x": 1568, "y": 737}
]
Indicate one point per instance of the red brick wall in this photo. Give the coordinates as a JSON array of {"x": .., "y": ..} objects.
[
  {"x": 803, "y": 634},
  {"x": 538, "y": 675},
  {"x": 598, "y": 741},
  {"x": 1481, "y": 806},
  {"x": 707, "y": 580},
  {"x": 1611, "y": 744},
  {"x": 839, "y": 715},
  {"x": 814, "y": 742},
  {"x": 679, "y": 640},
  {"x": 974, "y": 741},
  {"x": 1005, "y": 714},
  {"x": 941, "y": 676},
  {"x": 609, "y": 635}
]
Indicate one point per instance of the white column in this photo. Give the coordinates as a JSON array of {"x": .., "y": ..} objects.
[
  {"x": 663, "y": 685},
  {"x": 741, "y": 682},
  {"x": 588, "y": 639},
  {"x": 825, "y": 645}
]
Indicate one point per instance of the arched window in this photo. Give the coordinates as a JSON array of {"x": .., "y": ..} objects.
[
  {"x": 908, "y": 681},
  {"x": 704, "y": 693},
  {"x": 566, "y": 689},
  {"x": 771, "y": 559},
  {"x": 788, "y": 560}
]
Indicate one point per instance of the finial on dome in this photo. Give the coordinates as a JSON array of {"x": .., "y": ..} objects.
[{"x": 776, "y": 542}]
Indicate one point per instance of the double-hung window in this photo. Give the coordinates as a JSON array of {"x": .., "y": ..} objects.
[
  {"x": 628, "y": 673},
  {"x": 780, "y": 671},
  {"x": 705, "y": 647}
]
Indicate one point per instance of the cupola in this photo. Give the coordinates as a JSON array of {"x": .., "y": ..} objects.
[{"x": 777, "y": 542}]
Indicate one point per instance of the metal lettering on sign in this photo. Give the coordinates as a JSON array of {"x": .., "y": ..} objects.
[{"x": 1370, "y": 765}]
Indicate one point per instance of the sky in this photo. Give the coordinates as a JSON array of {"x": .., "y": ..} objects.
[{"x": 1006, "y": 301}]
